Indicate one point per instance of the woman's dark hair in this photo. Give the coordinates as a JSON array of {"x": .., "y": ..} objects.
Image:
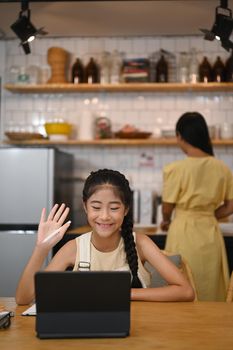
[
  {"x": 121, "y": 185},
  {"x": 193, "y": 129}
]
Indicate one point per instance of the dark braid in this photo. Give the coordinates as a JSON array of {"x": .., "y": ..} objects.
[{"x": 118, "y": 181}]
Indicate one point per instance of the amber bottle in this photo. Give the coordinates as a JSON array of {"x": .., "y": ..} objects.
[
  {"x": 218, "y": 70},
  {"x": 162, "y": 70},
  {"x": 77, "y": 72},
  {"x": 229, "y": 68},
  {"x": 205, "y": 71},
  {"x": 92, "y": 72}
]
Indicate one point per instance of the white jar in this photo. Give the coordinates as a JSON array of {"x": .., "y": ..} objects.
[
  {"x": 226, "y": 131},
  {"x": 85, "y": 130}
]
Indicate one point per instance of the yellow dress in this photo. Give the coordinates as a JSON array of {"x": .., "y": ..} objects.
[{"x": 198, "y": 186}]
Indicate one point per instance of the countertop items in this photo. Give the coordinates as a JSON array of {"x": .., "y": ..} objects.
[
  {"x": 150, "y": 230},
  {"x": 131, "y": 132},
  {"x": 193, "y": 325},
  {"x": 58, "y": 130},
  {"x": 23, "y": 136},
  {"x": 57, "y": 59},
  {"x": 226, "y": 229}
]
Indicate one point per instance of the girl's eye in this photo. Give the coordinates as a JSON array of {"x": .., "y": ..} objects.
[
  {"x": 95, "y": 208},
  {"x": 114, "y": 209}
]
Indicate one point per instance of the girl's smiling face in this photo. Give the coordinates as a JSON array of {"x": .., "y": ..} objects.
[{"x": 105, "y": 211}]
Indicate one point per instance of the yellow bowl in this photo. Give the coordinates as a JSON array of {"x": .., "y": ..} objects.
[{"x": 58, "y": 128}]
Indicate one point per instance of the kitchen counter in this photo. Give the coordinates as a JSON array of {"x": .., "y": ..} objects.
[
  {"x": 226, "y": 228},
  {"x": 159, "y": 237},
  {"x": 149, "y": 230}
]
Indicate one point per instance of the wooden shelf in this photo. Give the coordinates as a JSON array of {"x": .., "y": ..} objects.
[
  {"x": 127, "y": 87},
  {"x": 111, "y": 142}
]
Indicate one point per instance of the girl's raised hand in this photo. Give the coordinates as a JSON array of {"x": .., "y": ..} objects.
[{"x": 53, "y": 225}]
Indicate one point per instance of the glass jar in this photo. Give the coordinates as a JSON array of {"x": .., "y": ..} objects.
[
  {"x": 193, "y": 67},
  {"x": 102, "y": 128},
  {"x": 183, "y": 68},
  {"x": 105, "y": 68},
  {"x": 116, "y": 66}
]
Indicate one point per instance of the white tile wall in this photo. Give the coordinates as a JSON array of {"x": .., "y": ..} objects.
[{"x": 148, "y": 111}]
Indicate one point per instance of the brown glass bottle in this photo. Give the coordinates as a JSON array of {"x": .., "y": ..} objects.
[
  {"x": 92, "y": 75},
  {"x": 218, "y": 70},
  {"x": 229, "y": 68},
  {"x": 205, "y": 71},
  {"x": 162, "y": 70},
  {"x": 78, "y": 72}
]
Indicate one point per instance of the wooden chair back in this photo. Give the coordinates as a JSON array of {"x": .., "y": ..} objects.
[{"x": 230, "y": 290}]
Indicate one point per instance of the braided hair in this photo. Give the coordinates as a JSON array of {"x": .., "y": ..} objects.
[{"x": 121, "y": 185}]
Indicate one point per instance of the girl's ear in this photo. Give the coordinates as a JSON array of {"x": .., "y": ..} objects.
[
  {"x": 85, "y": 207},
  {"x": 126, "y": 211}
]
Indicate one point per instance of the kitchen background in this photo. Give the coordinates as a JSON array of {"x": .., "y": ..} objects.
[
  {"x": 138, "y": 30},
  {"x": 148, "y": 111}
]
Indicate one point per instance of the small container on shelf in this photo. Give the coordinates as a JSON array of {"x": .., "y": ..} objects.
[
  {"x": 183, "y": 68},
  {"x": 115, "y": 67},
  {"x": 105, "y": 68},
  {"x": 162, "y": 70},
  {"x": 193, "y": 67},
  {"x": 219, "y": 71},
  {"x": 205, "y": 71},
  {"x": 92, "y": 73},
  {"x": 57, "y": 59},
  {"x": 78, "y": 72},
  {"x": 58, "y": 129},
  {"x": 102, "y": 128},
  {"x": 229, "y": 68}
]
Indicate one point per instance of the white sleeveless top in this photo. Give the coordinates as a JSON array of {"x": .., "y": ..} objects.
[{"x": 89, "y": 258}]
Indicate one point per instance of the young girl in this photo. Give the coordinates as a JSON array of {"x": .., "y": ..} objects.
[{"x": 111, "y": 245}]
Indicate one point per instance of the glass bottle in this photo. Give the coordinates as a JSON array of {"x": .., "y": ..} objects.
[
  {"x": 92, "y": 72},
  {"x": 218, "y": 70},
  {"x": 152, "y": 67},
  {"x": 105, "y": 68},
  {"x": 183, "y": 68},
  {"x": 205, "y": 71},
  {"x": 77, "y": 72},
  {"x": 116, "y": 66},
  {"x": 193, "y": 67},
  {"x": 162, "y": 70}
]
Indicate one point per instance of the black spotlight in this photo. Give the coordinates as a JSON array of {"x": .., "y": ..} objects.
[
  {"x": 222, "y": 27},
  {"x": 24, "y": 29}
]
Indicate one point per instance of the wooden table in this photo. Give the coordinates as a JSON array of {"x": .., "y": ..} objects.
[{"x": 198, "y": 325}]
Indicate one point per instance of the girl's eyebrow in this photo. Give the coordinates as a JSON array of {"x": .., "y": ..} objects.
[{"x": 99, "y": 202}]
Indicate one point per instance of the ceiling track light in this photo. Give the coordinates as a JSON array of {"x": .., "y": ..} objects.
[
  {"x": 24, "y": 28},
  {"x": 222, "y": 27}
]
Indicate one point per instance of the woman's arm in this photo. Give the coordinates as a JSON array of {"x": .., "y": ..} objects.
[
  {"x": 225, "y": 209},
  {"x": 167, "y": 209},
  {"x": 55, "y": 220},
  {"x": 178, "y": 288}
]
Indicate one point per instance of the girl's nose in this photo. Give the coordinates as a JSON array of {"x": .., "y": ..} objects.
[{"x": 104, "y": 214}]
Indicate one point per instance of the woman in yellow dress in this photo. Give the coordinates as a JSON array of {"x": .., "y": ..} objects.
[{"x": 198, "y": 190}]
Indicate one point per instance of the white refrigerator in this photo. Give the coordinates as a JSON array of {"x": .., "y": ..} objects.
[{"x": 30, "y": 179}]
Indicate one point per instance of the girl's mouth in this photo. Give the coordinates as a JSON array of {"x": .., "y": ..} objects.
[{"x": 104, "y": 226}]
